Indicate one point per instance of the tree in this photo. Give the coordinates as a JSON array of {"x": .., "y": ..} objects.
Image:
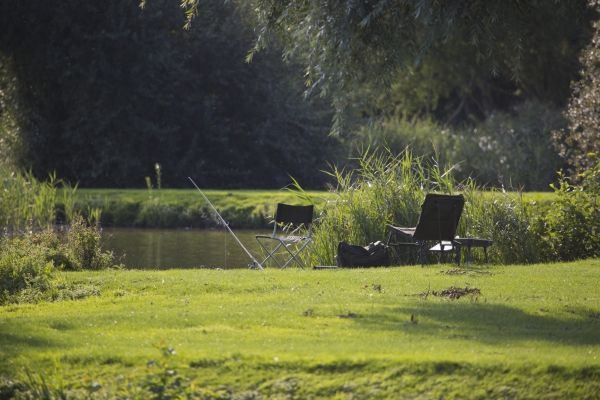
[
  {"x": 100, "y": 91},
  {"x": 579, "y": 144},
  {"x": 349, "y": 45}
]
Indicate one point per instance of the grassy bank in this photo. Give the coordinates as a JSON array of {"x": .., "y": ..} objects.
[
  {"x": 186, "y": 208},
  {"x": 527, "y": 332}
]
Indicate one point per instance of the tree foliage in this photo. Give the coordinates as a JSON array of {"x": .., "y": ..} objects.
[
  {"x": 580, "y": 142},
  {"x": 100, "y": 91},
  {"x": 356, "y": 49}
]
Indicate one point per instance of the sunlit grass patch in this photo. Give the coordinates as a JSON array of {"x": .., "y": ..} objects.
[{"x": 370, "y": 332}]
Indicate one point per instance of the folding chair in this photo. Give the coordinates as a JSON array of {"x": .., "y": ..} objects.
[
  {"x": 437, "y": 223},
  {"x": 287, "y": 214}
]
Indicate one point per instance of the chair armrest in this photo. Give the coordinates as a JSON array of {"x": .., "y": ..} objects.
[
  {"x": 473, "y": 242},
  {"x": 406, "y": 232}
]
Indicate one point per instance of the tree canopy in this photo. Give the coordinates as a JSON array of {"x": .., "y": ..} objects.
[
  {"x": 356, "y": 50},
  {"x": 100, "y": 91}
]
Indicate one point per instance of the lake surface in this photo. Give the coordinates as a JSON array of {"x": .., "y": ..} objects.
[{"x": 182, "y": 248}]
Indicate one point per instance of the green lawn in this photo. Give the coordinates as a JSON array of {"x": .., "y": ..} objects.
[
  {"x": 176, "y": 208},
  {"x": 224, "y": 199},
  {"x": 532, "y": 332}
]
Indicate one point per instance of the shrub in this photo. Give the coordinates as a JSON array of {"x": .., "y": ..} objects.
[
  {"x": 511, "y": 148},
  {"x": 84, "y": 247},
  {"x": 27, "y": 263},
  {"x": 573, "y": 224},
  {"x": 24, "y": 266}
]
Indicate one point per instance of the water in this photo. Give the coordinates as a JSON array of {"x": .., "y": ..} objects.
[{"x": 182, "y": 248}]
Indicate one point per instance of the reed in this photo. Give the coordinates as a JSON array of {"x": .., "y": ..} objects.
[
  {"x": 388, "y": 188},
  {"x": 24, "y": 201},
  {"x": 28, "y": 204}
]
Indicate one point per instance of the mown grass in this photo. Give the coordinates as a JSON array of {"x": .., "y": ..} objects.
[
  {"x": 177, "y": 208},
  {"x": 532, "y": 332}
]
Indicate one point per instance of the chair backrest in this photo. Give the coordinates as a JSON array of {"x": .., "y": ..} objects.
[
  {"x": 439, "y": 217},
  {"x": 294, "y": 214}
]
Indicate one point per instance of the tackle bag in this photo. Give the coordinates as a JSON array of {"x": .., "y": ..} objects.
[{"x": 352, "y": 256}]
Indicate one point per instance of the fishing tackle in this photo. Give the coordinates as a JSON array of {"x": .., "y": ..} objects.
[{"x": 255, "y": 264}]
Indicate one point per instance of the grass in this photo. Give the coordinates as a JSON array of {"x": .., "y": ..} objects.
[
  {"x": 532, "y": 332},
  {"x": 176, "y": 208}
]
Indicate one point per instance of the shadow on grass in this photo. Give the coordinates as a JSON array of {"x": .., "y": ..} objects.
[
  {"x": 485, "y": 323},
  {"x": 12, "y": 343}
]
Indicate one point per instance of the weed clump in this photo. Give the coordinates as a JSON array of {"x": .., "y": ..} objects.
[
  {"x": 25, "y": 268},
  {"x": 84, "y": 248},
  {"x": 27, "y": 263}
]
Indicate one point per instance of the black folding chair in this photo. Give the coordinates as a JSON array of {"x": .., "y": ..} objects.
[
  {"x": 287, "y": 215},
  {"x": 437, "y": 223}
]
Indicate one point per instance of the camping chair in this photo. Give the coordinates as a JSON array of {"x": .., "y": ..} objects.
[
  {"x": 287, "y": 214},
  {"x": 437, "y": 223}
]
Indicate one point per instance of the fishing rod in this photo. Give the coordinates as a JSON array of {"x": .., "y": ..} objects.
[{"x": 255, "y": 264}]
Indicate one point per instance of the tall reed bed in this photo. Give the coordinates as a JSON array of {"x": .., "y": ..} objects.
[
  {"x": 388, "y": 188},
  {"x": 24, "y": 200},
  {"x": 26, "y": 203},
  {"x": 514, "y": 224}
]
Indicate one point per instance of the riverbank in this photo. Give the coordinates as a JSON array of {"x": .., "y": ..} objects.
[
  {"x": 515, "y": 332},
  {"x": 186, "y": 208}
]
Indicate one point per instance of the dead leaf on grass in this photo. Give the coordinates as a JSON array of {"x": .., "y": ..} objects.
[
  {"x": 455, "y": 292},
  {"x": 454, "y": 271}
]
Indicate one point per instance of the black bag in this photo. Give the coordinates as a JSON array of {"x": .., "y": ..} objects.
[{"x": 353, "y": 256}]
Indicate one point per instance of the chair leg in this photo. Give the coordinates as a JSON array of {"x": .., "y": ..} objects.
[
  {"x": 486, "y": 256},
  {"x": 468, "y": 256},
  {"x": 271, "y": 253},
  {"x": 293, "y": 256},
  {"x": 389, "y": 239}
]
